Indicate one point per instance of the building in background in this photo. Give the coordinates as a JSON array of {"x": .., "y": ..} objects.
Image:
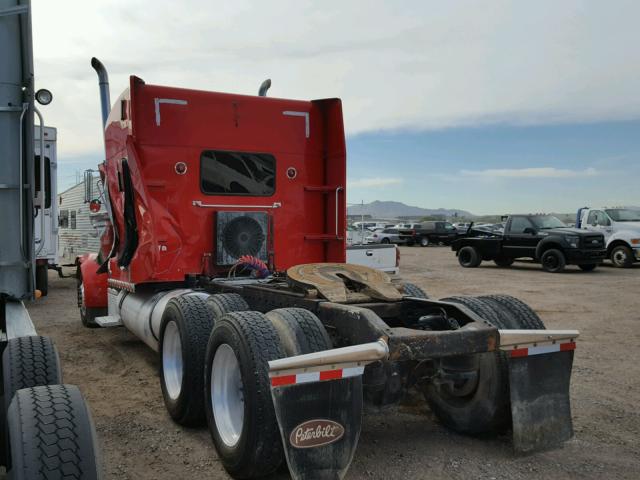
[{"x": 78, "y": 230}]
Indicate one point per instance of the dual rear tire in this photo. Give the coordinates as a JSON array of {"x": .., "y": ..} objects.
[
  {"x": 239, "y": 408},
  {"x": 215, "y": 355},
  {"x": 478, "y": 401},
  {"x": 184, "y": 331}
]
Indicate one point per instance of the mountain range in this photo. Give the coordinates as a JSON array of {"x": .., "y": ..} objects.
[{"x": 388, "y": 209}]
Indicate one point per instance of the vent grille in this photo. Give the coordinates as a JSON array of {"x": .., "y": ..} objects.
[{"x": 241, "y": 233}]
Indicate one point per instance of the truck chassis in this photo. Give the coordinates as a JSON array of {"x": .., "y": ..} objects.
[{"x": 458, "y": 352}]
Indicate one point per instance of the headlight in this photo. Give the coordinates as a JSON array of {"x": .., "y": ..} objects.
[
  {"x": 635, "y": 241},
  {"x": 573, "y": 242}
]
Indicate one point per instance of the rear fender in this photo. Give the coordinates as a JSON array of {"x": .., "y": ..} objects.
[{"x": 95, "y": 284}]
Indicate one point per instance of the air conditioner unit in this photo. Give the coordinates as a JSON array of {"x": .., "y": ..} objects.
[{"x": 241, "y": 233}]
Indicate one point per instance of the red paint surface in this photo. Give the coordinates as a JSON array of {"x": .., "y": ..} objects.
[
  {"x": 284, "y": 380},
  {"x": 331, "y": 375},
  {"x": 520, "y": 352},
  {"x": 95, "y": 285},
  {"x": 176, "y": 238}
]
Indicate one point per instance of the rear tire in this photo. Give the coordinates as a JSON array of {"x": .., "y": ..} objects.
[
  {"x": 385, "y": 241},
  {"x": 236, "y": 372},
  {"x": 42, "y": 279},
  {"x": 29, "y": 362},
  {"x": 222, "y": 303},
  {"x": 468, "y": 257},
  {"x": 487, "y": 409},
  {"x": 300, "y": 331},
  {"x": 51, "y": 435},
  {"x": 184, "y": 331},
  {"x": 26, "y": 362},
  {"x": 553, "y": 261},
  {"x": 88, "y": 315},
  {"x": 589, "y": 267},
  {"x": 412, "y": 290},
  {"x": 519, "y": 314},
  {"x": 622, "y": 257}
]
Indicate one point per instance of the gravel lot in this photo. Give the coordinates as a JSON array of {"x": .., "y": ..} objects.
[{"x": 118, "y": 375}]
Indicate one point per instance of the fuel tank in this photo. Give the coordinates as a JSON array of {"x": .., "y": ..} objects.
[{"x": 141, "y": 312}]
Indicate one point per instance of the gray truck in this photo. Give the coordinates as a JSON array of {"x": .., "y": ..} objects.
[{"x": 542, "y": 238}]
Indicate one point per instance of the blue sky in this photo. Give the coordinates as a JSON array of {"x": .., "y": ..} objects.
[
  {"x": 489, "y": 106},
  {"x": 499, "y": 169}
]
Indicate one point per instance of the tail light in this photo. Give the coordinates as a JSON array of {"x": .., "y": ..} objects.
[
  {"x": 397, "y": 257},
  {"x": 94, "y": 205}
]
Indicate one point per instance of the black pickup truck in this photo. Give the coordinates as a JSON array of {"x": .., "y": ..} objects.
[
  {"x": 543, "y": 238},
  {"x": 433, "y": 233}
]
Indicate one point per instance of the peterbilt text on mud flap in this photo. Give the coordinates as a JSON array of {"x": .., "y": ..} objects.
[{"x": 263, "y": 331}]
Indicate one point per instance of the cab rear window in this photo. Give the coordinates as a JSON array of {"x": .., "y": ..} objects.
[{"x": 237, "y": 173}]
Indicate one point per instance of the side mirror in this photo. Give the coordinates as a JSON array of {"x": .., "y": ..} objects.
[{"x": 530, "y": 230}]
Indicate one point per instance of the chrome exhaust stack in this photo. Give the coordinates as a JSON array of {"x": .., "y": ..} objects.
[
  {"x": 103, "y": 82},
  {"x": 266, "y": 85}
]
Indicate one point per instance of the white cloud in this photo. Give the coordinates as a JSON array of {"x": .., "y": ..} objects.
[
  {"x": 533, "y": 172},
  {"x": 425, "y": 65},
  {"x": 373, "y": 182}
]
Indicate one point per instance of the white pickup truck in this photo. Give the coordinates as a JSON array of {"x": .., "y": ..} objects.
[
  {"x": 621, "y": 229},
  {"x": 385, "y": 257}
]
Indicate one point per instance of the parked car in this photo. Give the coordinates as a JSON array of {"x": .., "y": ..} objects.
[
  {"x": 543, "y": 238},
  {"x": 462, "y": 226},
  {"x": 410, "y": 226},
  {"x": 393, "y": 235},
  {"x": 436, "y": 233},
  {"x": 371, "y": 225},
  {"x": 621, "y": 230}
]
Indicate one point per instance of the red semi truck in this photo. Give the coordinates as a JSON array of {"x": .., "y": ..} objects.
[{"x": 225, "y": 253}]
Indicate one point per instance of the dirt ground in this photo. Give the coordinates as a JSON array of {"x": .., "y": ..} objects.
[{"x": 119, "y": 377}]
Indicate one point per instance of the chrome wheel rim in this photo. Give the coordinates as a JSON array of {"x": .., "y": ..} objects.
[
  {"x": 172, "y": 360},
  {"x": 620, "y": 257},
  {"x": 227, "y": 397}
]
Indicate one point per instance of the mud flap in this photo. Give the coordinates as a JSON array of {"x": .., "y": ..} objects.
[
  {"x": 320, "y": 426},
  {"x": 540, "y": 404}
]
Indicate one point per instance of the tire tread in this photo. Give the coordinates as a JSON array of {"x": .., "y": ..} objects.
[
  {"x": 52, "y": 435},
  {"x": 263, "y": 344}
]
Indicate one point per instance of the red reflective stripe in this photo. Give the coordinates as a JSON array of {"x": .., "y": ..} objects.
[
  {"x": 331, "y": 374},
  {"x": 284, "y": 380},
  {"x": 520, "y": 352},
  {"x": 567, "y": 346}
]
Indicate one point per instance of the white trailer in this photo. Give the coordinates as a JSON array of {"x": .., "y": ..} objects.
[
  {"x": 46, "y": 211},
  {"x": 79, "y": 227}
]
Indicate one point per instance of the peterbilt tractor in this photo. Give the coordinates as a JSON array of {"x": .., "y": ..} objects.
[
  {"x": 226, "y": 255},
  {"x": 45, "y": 426}
]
